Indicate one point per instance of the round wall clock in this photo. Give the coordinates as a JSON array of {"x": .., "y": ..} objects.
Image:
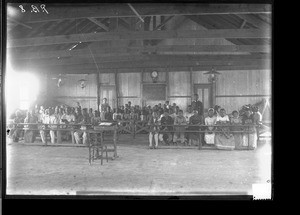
[{"x": 154, "y": 75}]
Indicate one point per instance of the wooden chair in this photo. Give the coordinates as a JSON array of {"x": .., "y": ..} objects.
[{"x": 95, "y": 143}]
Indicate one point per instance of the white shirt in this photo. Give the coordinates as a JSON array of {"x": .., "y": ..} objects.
[
  {"x": 222, "y": 119},
  {"x": 210, "y": 120},
  {"x": 187, "y": 116}
]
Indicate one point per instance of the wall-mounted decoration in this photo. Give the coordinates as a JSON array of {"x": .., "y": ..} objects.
[
  {"x": 154, "y": 76},
  {"x": 82, "y": 83},
  {"x": 212, "y": 75},
  {"x": 60, "y": 80}
]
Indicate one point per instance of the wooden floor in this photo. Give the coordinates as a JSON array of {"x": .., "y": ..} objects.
[{"x": 36, "y": 169}]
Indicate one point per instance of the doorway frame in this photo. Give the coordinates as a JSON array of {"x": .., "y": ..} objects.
[{"x": 210, "y": 92}]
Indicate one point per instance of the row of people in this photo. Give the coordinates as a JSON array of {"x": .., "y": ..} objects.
[
  {"x": 74, "y": 115},
  {"x": 223, "y": 137}
]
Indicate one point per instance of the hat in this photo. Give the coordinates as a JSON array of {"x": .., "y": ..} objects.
[{"x": 211, "y": 109}]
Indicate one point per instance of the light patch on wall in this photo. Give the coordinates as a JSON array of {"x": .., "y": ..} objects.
[{"x": 21, "y": 90}]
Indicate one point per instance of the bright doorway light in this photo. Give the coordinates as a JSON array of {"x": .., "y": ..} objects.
[{"x": 21, "y": 90}]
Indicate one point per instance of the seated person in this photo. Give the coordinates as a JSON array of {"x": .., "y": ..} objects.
[
  {"x": 108, "y": 114},
  {"x": 67, "y": 118},
  {"x": 167, "y": 130},
  {"x": 250, "y": 134},
  {"x": 144, "y": 113},
  {"x": 224, "y": 139},
  {"x": 195, "y": 119},
  {"x": 154, "y": 130},
  {"x": 30, "y": 135},
  {"x": 16, "y": 130},
  {"x": 45, "y": 121},
  {"x": 209, "y": 136},
  {"x": 82, "y": 119},
  {"x": 54, "y": 119},
  {"x": 179, "y": 131},
  {"x": 236, "y": 120}
]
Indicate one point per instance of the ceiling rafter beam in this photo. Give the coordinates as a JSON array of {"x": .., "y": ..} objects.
[
  {"x": 163, "y": 24},
  {"x": 121, "y": 10},
  {"x": 94, "y": 20},
  {"x": 117, "y": 51},
  {"x": 139, "y": 35}
]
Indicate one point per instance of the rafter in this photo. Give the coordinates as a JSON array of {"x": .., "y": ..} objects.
[
  {"x": 140, "y": 35},
  {"x": 254, "y": 21},
  {"x": 119, "y": 51},
  {"x": 76, "y": 11},
  {"x": 94, "y": 20},
  {"x": 241, "y": 64}
]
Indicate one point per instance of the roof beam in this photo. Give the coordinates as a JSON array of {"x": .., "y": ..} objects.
[
  {"x": 242, "y": 64},
  {"x": 94, "y": 20},
  {"x": 19, "y": 23},
  {"x": 172, "y": 59},
  {"x": 163, "y": 24},
  {"x": 254, "y": 21},
  {"x": 77, "y": 11},
  {"x": 117, "y": 51},
  {"x": 139, "y": 35},
  {"x": 172, "y": 69}
]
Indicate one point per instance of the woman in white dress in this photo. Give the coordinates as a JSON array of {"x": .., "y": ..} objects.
[
  {"x": 209, "y": 136},
  {"x": 224, "y": 139}
]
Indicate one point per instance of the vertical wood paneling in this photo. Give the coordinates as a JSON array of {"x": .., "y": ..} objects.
[
  {"x": 107, "y": 79},
  {"x": 129, "y": 84},
  {"x": 243, "y": 83},
  {"x": 199, "y": 78},
  {"x": 179, "y": 84},
  {"x": 181, "y": 102},
  {"x": 235, "y": 103}
]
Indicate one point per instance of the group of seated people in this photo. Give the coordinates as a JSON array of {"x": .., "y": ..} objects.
[
  {"x": 230, "y": 135},
  {"x": 168, "y": 124}
]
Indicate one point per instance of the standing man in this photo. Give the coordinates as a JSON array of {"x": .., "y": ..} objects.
[
  {"x": 103, "y": 109},
  {"x": 197, "y": 104}
]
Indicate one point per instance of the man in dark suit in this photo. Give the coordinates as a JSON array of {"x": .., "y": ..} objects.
[{"x": 197, "y": 105}]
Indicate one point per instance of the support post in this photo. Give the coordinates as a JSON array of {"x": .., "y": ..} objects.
[
  {"x": 98, "y": 90},
  {"x": 117, "y": 87}
]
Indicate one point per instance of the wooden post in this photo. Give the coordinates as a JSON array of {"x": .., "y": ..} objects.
[
  {"x": 117, "y": 88},
  {"x": 213, "y": 93},
  {"x": 167, "y": 82},
  {"x": 191, "y": 83},
  {"x": 98, "y": 90}
]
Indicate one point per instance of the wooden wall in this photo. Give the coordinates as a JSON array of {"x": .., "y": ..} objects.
[
  {"x": 236, "y": 88},
  {"x": 233, "y": 88}
]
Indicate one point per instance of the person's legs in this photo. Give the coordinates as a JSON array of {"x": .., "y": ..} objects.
[
  {"x": 84, "y": 138},
  {"x": 175, "y": 137},
  {"x": 182, "y": 137},
  {"x": 77, "y": 137},
  {"x": 170, "y": 137},
  {"x": 160, "y": 137},
  {"x": 150, "y": 139},
  {"x": 43, "y": 136},
  {"x": 156, "y": 140},
  {"x": 52, "y": 136}
]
